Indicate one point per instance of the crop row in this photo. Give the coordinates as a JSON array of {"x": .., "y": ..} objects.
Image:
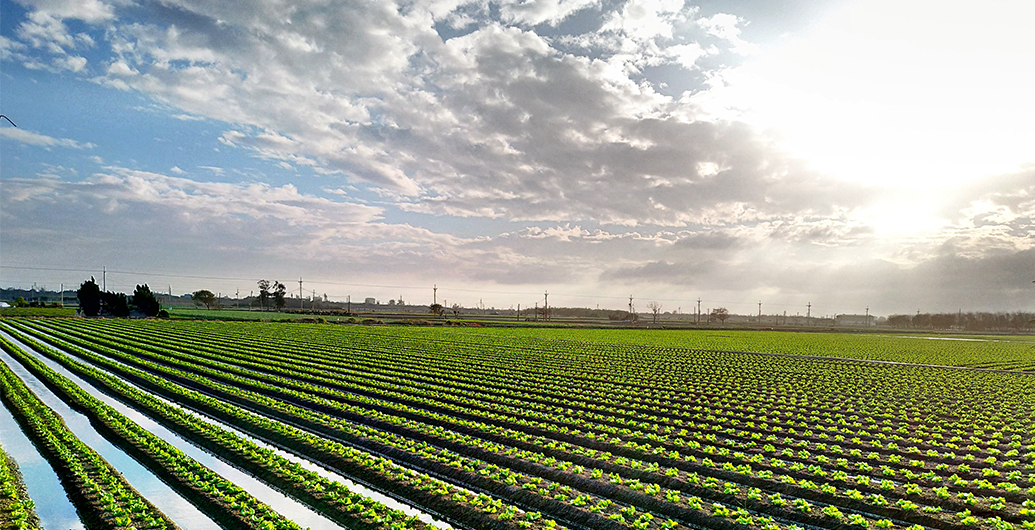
[
  {"x": 219, "y": 498},
  {"x": 884, "y": 403},
  {"x": 881, "y": 475},
  {"x": 103, "y": 498},
  {"x": 624, "y": 442},
  {"x": 17, "y": 511},
  {"x": 850, "y": 497},
  {"x": 834, "y": 426},
  {"x": 495, "y": 478},
  {"x": 330, "y": 497},
  {"x": 666, "y": 419},
  {"x": 436, "y": 495}
]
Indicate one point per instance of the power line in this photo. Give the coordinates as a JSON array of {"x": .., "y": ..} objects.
[{"x": 528, "y": 294}]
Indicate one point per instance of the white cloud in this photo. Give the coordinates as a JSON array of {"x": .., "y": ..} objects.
[
  {"x": 42, "y": 140},
  {"x": 91, "y": 11},
  {"x": 541, "y": 11},
  {"x": 636, "y": 152}
]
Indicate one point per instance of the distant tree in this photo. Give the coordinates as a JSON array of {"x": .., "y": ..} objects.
[
  {"x": 20, "y": 302},
  {"x": 116, "y": 304},
  {"x": 622, "y": 315},
  {"x": 899, "y": 321},
  {"x": 721, "y": 314},
  {"x": 437, "y": 309},
  {"x": 655, "y": 309},
  {"x": 264, "y": 294},
  {"x": 89, "y": 295},
  {"x": 204, "y": 297},
  {"x": 279, "y": 290},
  {"x": 456, "y": 310},
  {"x": 145, "y": 301}
]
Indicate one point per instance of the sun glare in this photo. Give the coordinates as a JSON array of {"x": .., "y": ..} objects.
[{"x": 913, "y": 94}]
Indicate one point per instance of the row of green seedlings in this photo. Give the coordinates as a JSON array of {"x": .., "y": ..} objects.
[
  {"x": 885, "y": 483},
  {"x": 886, "y": 469},
  {"x": 878, "y": 499},
  {"x": 331, "y": 498},
  {"x": 830, "y": 513},
  {"x": 757, "y": 395},
  {"x": 653, "y": 383},
  {"x": 17, "y": 510},
  {"x": 857, "y": 437},
  {"x": 980, "y": 481},
  {"x": 221, "y": 499},
  {"x": 626, "y": 516},
  {"x": 568, "y": 385},
  {"x": 471, "y": 510},
  {"x": 728, "y": 386},
  {"x": 100, "y": 494}
]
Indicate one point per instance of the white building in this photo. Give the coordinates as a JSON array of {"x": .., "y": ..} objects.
[{"x": 861, "y": 321}]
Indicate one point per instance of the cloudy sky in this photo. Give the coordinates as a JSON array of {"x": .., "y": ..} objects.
[{"x": 851, "y": 154}]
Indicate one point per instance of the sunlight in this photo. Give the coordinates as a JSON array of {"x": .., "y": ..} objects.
[{"x": 905, "y": 94}]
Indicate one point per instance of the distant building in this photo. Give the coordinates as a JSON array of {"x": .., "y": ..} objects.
[
  {"x": 861, "y": 321},
  {"x": 371, "y": 301}
]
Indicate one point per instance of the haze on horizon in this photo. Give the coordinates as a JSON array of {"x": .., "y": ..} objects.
[{"x": 850, "y": 154}]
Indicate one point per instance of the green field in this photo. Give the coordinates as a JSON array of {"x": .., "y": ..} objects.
[
  {"x": 992, "y": 351},
  {"x": 588, "y": 429},
  {"x": 37, "y": 311}
]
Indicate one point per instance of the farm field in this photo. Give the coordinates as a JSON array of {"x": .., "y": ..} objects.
[
  {"x": 1010, "y": 352},
  {"x": 583, "y": 429}
]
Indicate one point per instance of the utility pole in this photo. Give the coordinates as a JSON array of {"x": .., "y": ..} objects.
[
  {"x": 62, "y": 295},
  {"x": 546, "y": 305},
  {"x": 434, "y": 299},
  {"x": 867, "y": 316},
  {"x": 314, "y": 300},
  {"x": 698, "y": 310},
  {"x": 808, "y": 315},
  {"x": 237, "y": 298},
  {"x": 759, "y": 311},
  {"x": 348, "y": 300},
  {"x": 537, "y": 311},
  {"x": 104, "y": 280},
  {"x": 170, "y": 297},
  {"x": 519, "y": 313},
  {"x": 301, "y": 300},
  {"x": 630, "y": 304}
]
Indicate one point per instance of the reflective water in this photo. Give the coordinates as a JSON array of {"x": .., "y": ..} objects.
[
  {"x": 182, "y": 512},
  {"x": 308, "y": 464},
  {"x": 52, "y": 504}
]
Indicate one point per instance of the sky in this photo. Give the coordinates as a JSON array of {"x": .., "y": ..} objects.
[{"x": 855, "y": 155}]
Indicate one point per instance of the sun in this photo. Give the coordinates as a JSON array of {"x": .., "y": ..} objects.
[{"x": 912, "y": 95}]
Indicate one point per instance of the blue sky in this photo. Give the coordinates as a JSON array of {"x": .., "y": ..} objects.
[{"x": 855, "y": 154}]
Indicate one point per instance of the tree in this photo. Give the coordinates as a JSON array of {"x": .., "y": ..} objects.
[
  {"x": 264, "y": 294},
  {"x": 655, "y": 309},
  {"x": 89, "y": 295},
  {"x": 145, "y": 301},
  {"x": 437, "y": 309},
  {"x": 204, "y": 296},
  {"x": 721, "y": 314},
  {"x": 20, "y": 302},
  {"x": 278, "y": 295},
  {"x": 456, "y": 310},
  {"x": 116, "y": 304}
]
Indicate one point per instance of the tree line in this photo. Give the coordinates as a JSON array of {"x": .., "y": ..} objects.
[
  {"x": 94, "y": 302},
  {"x": 271, "y": 294},
  {"x": 973, "y": 321}
]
